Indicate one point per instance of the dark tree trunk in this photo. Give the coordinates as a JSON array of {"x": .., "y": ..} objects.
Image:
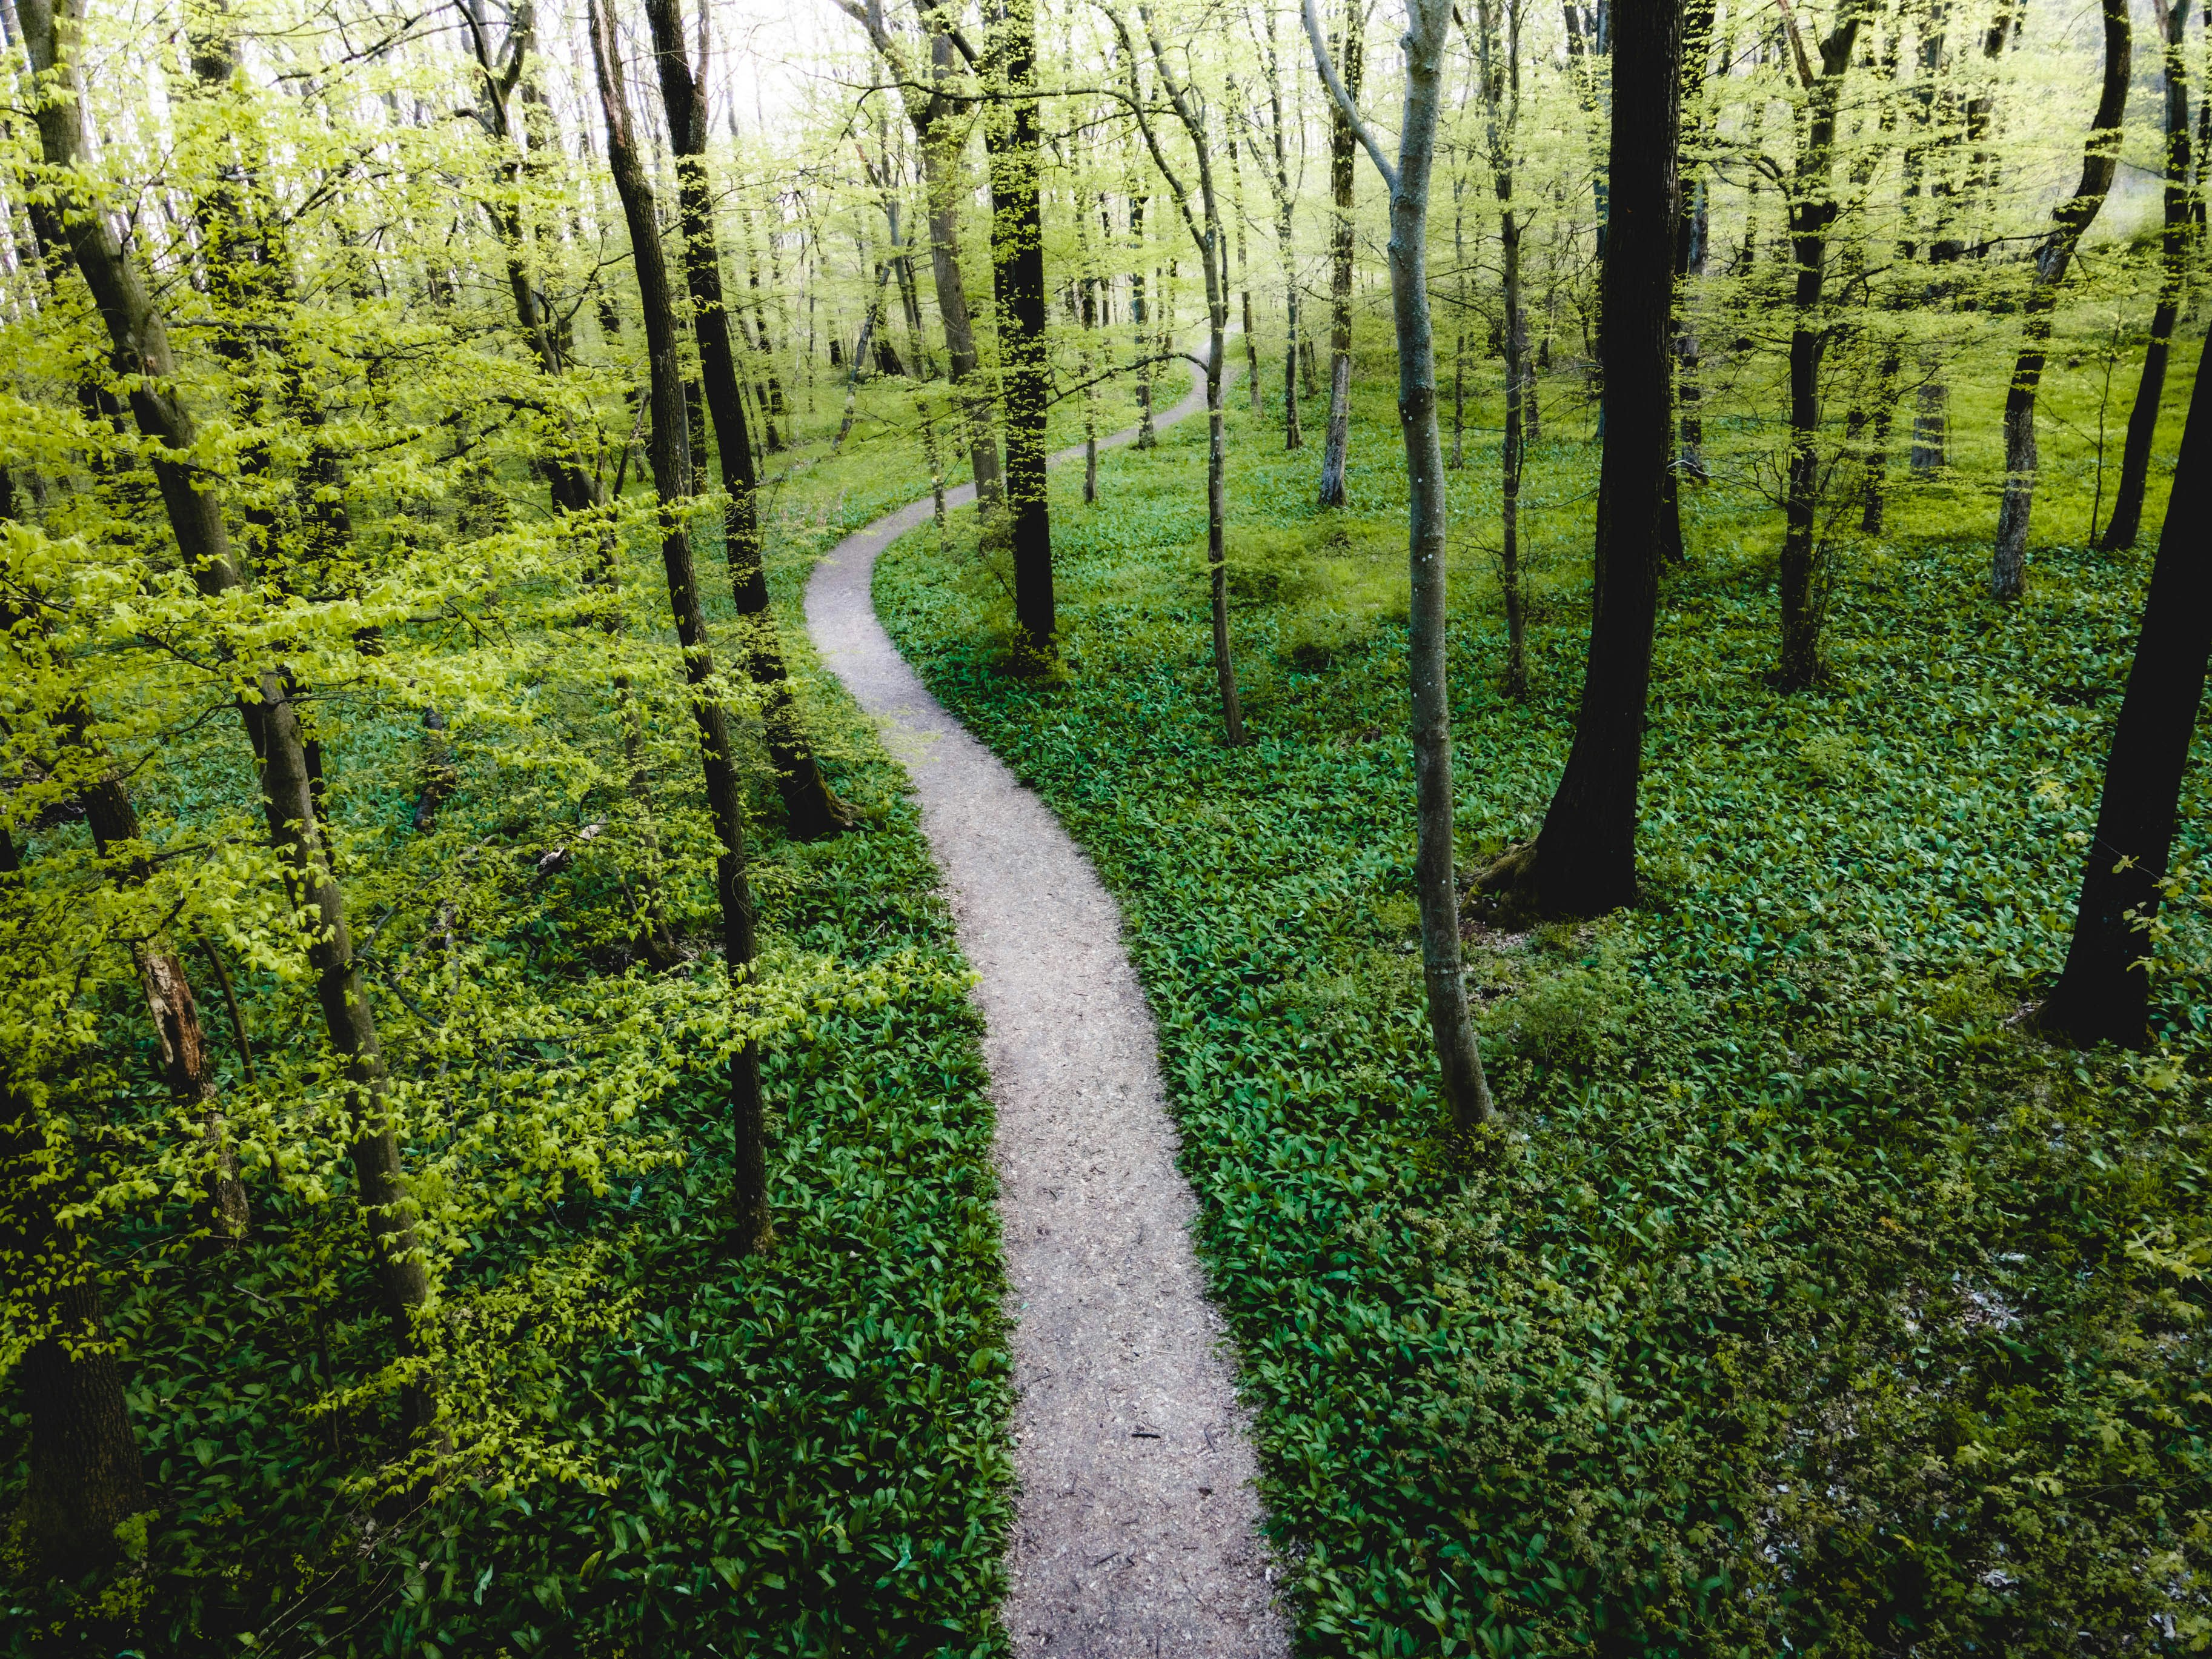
[
  {"x": 2126, "y": 522},
  {"x": 1583, "y": 862},
  {"x": 139, "y": 338},
  {"x": 1340, "y": 146},
  {"x": 2105, "y": 993},
  {"x": 1018, "y": 283},
  {"x": 1813, "y": 209},
  {"x": 808, "y": 805},
  {"x": 671, "y": 484},
  {"x": 85, "y": 1478},
  {"x": 1497, "y": 57},
  {"x": 2071, "y": 220},
  {"x": 1466, "y": 1091}
]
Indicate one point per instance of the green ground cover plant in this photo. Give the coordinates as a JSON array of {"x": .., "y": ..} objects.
[
  {"x": 800, "y": 1452},
  {"x": 1809, "y": 1300}
]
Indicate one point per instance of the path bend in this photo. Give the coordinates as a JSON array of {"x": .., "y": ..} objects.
[{"x": 1136, "y": 1521}]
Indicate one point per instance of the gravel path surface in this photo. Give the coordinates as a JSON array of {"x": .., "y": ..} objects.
[{"x": 1137, "y": 1528}]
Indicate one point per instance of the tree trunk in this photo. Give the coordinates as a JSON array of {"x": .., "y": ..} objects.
[
  {"x": 2071, "y": 219},
  {"x": 1017, "y": 284},
  {"x": 187, "y": 1069},
  {"x": 1212, "y": 249},
  {"x": 139, "y": 339},
  {"x": 1583, "y": 862},
  {"x": 943, "y": 133},
  {"x": 1466, "y": 1091},
  {"x": 1244, "y": 274},
  {"x": 810, "y": 808},
  {"x": 2104, "y": 991},
  {"x": 2126, "y": 522},
  {"x": 670, "y": 459},
  {"x": 1497, "y": 59},
  {"x": 1813, "y": 209},
  {"x": 1459, "y": 334},
  {"x": 1140, "y": 318},
  {"x": 85, "y": 1478},
  {"x": 1087, "y": 365},
  {"x": 1288, "y": 248},
  {"x": 1341, "y": 144}
]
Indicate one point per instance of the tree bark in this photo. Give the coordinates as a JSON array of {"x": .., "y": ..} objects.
[
  {"x": 2126, "y": 522},
  {"x": 1207, "y": 233},
  {"x": 139, "y": 340},
  {"x": 2071, "y": 219},
  {"x": 2105, "y": 993},
  {"x": 1813, "y": 209},
  {"x": 1244, "y": 272},
  {"x": 808, "y": 806},
  {"x": 186, "y": 1067},
  {"x": 671, "y": 459},
  {"x": 1466, "y": 1091},
  {"x": 1288, "y": 247},
  {"x": 1583, "y": 861},
  {"x": 936, "y": 115},
  {"x": 1017, "y": 284},
  {"x": 1497, "y": 57},
  {"x": 1341, "y": 144}
]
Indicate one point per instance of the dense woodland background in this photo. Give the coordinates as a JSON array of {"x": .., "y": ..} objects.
[{"x": 495, "y": 1154}]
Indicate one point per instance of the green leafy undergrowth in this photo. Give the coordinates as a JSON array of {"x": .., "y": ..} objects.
[
  {"x": 800, "y": 1452},
  {"x": 1808, "y": 1301}
]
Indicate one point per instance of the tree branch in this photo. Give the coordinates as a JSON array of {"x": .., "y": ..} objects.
[{"x": 1351, "y": 110}]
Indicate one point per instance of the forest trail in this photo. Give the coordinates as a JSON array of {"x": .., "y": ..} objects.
[{"x": 1137, "y": 1525}]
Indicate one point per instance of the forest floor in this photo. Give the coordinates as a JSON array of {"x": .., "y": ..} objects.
[
  {"x": 1137, "y": 1523},
  {"x": 1809, "y": 1296}
]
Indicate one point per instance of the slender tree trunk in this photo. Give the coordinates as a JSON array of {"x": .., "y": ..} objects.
[
  {"x": 1583, "y": 861},
  {"x": 671, "y": 456},
  {"x": 1340, "y": 146},
  {"x": 1512, "y": 457},
  {"x": 139, "y": 338},
  {"x": 1459, "y": 335},
  {"x": 2071, "y": 220},
  {"x": 1286, "y": 246},
  {"x": 1087, "y": 364},
  {"x": 1497, "y": 59},
  {"x": 2105, "y": 993},
  {"x": 1813, "y": 209},
  {"x": 1244, "y": 274},
  {"x": 2126, "y": 522},
  {"x": 188, "y": 1068},
  {"x": 931, "y": 455},
  {"x": 810, "y": 807},
  {"x": 1466, "y": 1091},
  {"x": 85, "y": 1476},
  {"x": 1018, "y": 283},
  {"x": 1139, "y": 320},
  {"x": 1212, "y": 247}
]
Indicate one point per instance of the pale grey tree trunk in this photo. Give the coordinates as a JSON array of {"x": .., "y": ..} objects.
[{"x": 1466, "y": 1091}]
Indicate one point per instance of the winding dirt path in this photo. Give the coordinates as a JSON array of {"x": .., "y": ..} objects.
[{"x": 1137, "y": 1523}]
